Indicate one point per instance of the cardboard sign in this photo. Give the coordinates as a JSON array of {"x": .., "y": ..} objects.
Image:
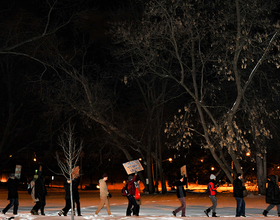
[
  {"x": 132, "y": 166},
  {"x": 184, "y": 171},
  {"x": 75, "y": 172},
  {"x": 18, "y": 171}
]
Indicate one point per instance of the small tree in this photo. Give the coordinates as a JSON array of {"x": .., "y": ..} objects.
[{"x": 71, "y": 152}]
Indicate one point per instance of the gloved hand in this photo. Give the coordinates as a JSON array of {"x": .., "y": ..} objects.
[{"x": 110, "y": 195}]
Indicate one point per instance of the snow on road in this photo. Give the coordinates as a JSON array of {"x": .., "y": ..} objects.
[{"x": 154, "y": 206}]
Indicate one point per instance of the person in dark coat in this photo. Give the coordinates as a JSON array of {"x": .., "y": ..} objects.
[
  {"x": 39, "y": 193},
  {"x": 181, "y": 194},
  {"x": 76, "y": 195},
  {"x": 238, "y": 188},
  {"x": 13, "y": 183},
  {"x": 132, "y": 204},
  {"x": 67, "y": 206},
  {"x": 212, "y": 189},
  {"x": 272, "y": 195}
]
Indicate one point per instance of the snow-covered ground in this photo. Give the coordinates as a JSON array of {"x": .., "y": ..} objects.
[{"x": 154, "y": 206}]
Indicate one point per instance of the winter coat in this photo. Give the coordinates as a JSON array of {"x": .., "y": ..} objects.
[
  {"x": 211, "y": 188},
  {"x": 13, "y": 188},
  {"x": 75, "y": 183},
  {"x": 131, "y": 186},
  {"x": 103, "y": 188},
  {"x": 238, "y": 188},
  {"x": 40, "y": 188},
  {"x": 180, "y": 188},
  {"x": 272, "y": 191}
]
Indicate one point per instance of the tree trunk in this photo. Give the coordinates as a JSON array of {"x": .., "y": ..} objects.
[{"x": 261, "y": 173}]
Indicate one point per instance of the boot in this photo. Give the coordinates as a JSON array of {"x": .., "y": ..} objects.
[
  {"x": 207, "y": 212},
  {"x": 34, "y": 212},
  {"x": 265, "y": 213},
  {"x": 214, "y": 214},
  {"x": 61, "y": 212}
]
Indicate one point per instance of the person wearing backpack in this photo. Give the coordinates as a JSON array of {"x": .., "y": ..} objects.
[
  {"x": 131, "y": 207},
  {"x": 212, "y": 189},
  {"x": 38, "y": 193},
  {"x": 13, "y": 183},
  {"x": 272, "y": 195}
]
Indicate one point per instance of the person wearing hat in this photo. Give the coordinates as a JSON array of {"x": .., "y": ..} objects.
[
  {"x": 238, "y": 188},
  {"x": 13, "y": 183},
  {"x": 104, "y": 196},
  {"x": 212, "y": 189},
  {"x": 181, "y": 194}
]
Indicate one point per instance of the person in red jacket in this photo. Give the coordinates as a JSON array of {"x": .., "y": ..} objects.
[
  {"x": 212, "y": 189},
  {"x": 131, "y": 195}
]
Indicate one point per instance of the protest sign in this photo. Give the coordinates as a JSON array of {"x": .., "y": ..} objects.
[
  {"x": 132, "y": 166},
  {"x": 184, "y": 171},
  {"x": 18, "y": 171}
]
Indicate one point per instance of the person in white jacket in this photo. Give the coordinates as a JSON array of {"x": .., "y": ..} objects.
[{"x": 104, "y": 196}]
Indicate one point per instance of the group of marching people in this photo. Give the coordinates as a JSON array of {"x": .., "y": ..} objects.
[
  {"x": 239, "y": 192},
  {"x": 38, "y": 193}
]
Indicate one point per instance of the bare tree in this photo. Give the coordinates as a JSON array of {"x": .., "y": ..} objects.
[
  {"x": 71, "y": 154},
  {"x": 211, "y": 54}
]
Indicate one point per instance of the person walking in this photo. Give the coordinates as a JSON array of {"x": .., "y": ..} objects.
[
  {"x": 76, "y": 195},
  {"x": 181, "y": 194},
  {"x": 132, "y": 205},
  {"x": 212, "y": 189},
  {"x": 137, "y": 197},
  {"x": 104, "y": 196},
  {"x": 272, "y": 195},
  {"x": 13, "y": 183},
  {"x": 238, "y": 188},
  {"x": 38, "y": 193},
  {"x": 67, "y": 198}
]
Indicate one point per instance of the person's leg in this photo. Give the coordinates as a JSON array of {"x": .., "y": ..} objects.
[
  {"x": 269, "y": 207},
  {"x": 214, "y": 202},
  {"x": 67, "y": 207},
  {"x": 278, "y": 210},
  {"x": 43, "y": 204},
  {"x": 238, "y": 206},
  {"x": 134, "y": 204},
  {"x": 182, "y": 207},
  {"x": 129, "y": 206},
  {"x": 137, "y": 209},
  {"x": 101, "y": 204},
  {"x": 11, "y": 203},
  {"x": 15, "y": 206},
  {"x": 78, "y": 206},
  {"x": 107, "y": 205},
  {"x": 242, "y": 211}
]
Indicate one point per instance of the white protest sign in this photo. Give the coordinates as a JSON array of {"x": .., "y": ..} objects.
[
  {"x": 132, "y": 166},
  {"x": 18, "y": 171}
]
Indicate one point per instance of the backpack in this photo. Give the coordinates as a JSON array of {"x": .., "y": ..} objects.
[
  {"x": 125, "y": 190},
  {"x": 29, "y": 188}
]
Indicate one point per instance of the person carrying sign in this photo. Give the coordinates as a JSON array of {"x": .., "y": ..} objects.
[
  {"x": 13, "y": 183},
  {"x": 181, "y": 194},
  {"x": 132, "y": 205}
]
